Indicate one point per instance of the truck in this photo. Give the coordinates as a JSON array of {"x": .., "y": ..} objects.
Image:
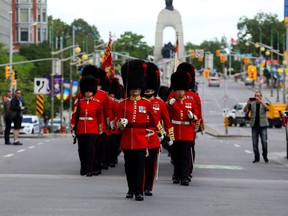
[{"x": 237, "y": 116}]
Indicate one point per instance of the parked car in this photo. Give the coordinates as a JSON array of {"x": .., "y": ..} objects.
[
  {"x": 30, "y": 125},
  {"x": 214, "y": 81},
  {"x": 57, "y": 125},
  {"x": 237, "y": 115}
]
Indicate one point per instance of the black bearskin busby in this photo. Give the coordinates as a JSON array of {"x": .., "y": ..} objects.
[
  {"x": 185, "y": 67},
  {"x": 180, "y": 81},
  {"x": 88, "y": 83},
  {"x": 132, "y": 73},
  {"x": 90, "y": 70},
  {"x": 103, "y": 79},
  {"x": 115, "y": 87},
  {"x": 152, "y": 78}
]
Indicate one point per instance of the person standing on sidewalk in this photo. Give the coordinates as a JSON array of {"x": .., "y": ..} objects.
[
  {"x": 17, "y": 107},
  {"x": 7, "y": 116},
  {"x": 259, "y": 124}
]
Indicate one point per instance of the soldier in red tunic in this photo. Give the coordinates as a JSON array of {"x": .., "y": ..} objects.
[
  {"x": 192, "y": 94},
  {"x": 133, "y": 116},
  {"x": 183, "y": 114},
  {"x": 161, "y": 113},
  {"x": 86, "y": 123}
]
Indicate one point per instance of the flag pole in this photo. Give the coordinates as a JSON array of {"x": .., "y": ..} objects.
[{"x": 176, "y": 53}]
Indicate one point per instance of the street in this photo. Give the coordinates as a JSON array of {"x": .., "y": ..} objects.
[{"x": 42, "y": 177}]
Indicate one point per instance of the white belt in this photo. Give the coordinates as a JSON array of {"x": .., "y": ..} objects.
[
  {"x": 85, "y": 118},
  {"x": 180, "y": 122}
]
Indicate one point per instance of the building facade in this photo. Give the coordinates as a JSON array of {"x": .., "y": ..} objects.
[
  {"x": 30, "y": 21},
  {"x": 5, "y": 22}
]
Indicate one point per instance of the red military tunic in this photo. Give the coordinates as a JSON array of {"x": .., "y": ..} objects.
[
  {"x": 90, "y": 116},
  {"x": 183, "y": 126},
  {"x": 161, "y": 114},
  {"x": 137, "y": 111}
]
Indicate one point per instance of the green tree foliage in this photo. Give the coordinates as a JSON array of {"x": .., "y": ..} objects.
[
  {"x": 132, "y": 44},
  {"x": 265, "y": 28}
]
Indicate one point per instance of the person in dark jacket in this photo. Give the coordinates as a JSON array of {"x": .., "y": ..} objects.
[{"x": 17, "y": 107}]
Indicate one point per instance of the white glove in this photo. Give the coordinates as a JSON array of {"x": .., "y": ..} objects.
[
  {"x": 190, "y": 115},
  {"x": 123, "y": 122},
  {"x": 112, "y": 124},
  {"x": 171, "y": 101},
  {"x": 170, "y": 142}
]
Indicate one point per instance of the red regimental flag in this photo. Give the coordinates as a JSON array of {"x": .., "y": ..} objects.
[
  {"x": 107, "y": 63},
  {"x": 177, "y": 46}
]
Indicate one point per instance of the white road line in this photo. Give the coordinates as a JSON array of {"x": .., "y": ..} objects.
[
  {"x": 40, "y": 143},
  {"x": 247, "y": 151},
  {"x": 21, "y": 150},
  {"x": 31, "y": 147},
  {"x": 236, "y": 145},
  {"x": 47, "y": 141},
  {"x": 8, "y": 155}
]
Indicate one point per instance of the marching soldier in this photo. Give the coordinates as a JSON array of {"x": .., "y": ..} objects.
[
  {"x": 133, "y": 115},
  {"x": 183, "y": 114},
  {"x": 86, "y": 123},
  {"x": 192, "y": 94},
  {"x": 161, "y": 113}
]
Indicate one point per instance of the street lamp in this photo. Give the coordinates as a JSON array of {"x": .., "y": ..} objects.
[{"x": 10, "y": 51}]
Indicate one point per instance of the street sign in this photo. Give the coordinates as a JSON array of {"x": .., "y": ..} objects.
[
  {"x": 199, "y": 53},
  {"x": 40, "y": 85},
  {"x": 226, "y": 97}
]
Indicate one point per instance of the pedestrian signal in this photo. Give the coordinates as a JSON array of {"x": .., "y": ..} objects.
[
  {"x": 13, "y": 81},
  {"x": 252, "y": 72}
]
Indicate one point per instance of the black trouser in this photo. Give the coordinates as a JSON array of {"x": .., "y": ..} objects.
[
  {"x": 182, "y": 158},
  {"x": 99, "y": 145},
  {"x": 7, "y": 130},
  {"x": 134, "y": 169},
  {"x": 150, "y": 168},
  {"x": 113, "y": 141},
  {"x": 86, "y": 150}
]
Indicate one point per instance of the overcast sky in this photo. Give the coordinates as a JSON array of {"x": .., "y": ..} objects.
[{"x": 201, "y": 19}]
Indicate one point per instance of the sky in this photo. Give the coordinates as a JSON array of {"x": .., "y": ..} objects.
[{"x": 201, "y": 19}]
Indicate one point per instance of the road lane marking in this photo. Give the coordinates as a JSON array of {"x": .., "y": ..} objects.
[
  {"x": 247, "y": 151},
  {"x": 236, "y": 145},
  {"x": 21, "y": 150},
  {"x": 202, "y": 166},
  {"x": 8, "y": 155},
  {"x": 31, "y": 147},
  {"x": 41, "y": 143}
]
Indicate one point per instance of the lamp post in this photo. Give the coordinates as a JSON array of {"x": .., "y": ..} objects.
[{"x": 10, "y": 52}]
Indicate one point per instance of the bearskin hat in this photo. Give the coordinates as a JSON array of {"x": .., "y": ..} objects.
[
  {"x": 115, "y": 87},
  {"x": 180, "y": 81},
  {"x": 90, "y": 70},
  {"x": 152, "y": 77},
  {"x": 88, "y": 83},
  {"x": 185, "y": 67},
  {"x": 132, "y": 73},
  {"x": 103, "y": 79}
]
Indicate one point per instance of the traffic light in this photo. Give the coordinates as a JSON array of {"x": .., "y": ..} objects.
[
  {"x": 200, "y": 59},
  {"x": 15, "y": 75},
  {"x": 192, "y": 54},
  {"x": 218, "y": 52},
  {"x": 222, "y": 58},
  {"x": 13, "y": 81},
  {"x": 246, "y": 60},
  {"x": 252, "y": 72},
  {"x": 7, "y": 72},
  {"x": 206, "y": 74}
]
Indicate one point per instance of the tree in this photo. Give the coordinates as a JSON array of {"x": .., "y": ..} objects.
[{"x": 132, "y": 44}]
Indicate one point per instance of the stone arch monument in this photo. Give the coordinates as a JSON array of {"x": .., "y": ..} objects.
[{"x": 168, "y": 17}]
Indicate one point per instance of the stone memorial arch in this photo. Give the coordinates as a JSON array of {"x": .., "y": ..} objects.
[{"x": 168, "y": 17}]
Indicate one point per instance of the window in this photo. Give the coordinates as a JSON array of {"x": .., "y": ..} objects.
[
  {"x": 44, "y": 15},
  {"x": 24, "y": 34},
  {"x": 39, "y": 15},
  {"x": 23, "y": 1},
  {"x": 24, "y": 15}
]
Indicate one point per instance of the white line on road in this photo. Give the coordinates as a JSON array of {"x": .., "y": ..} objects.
[
  {"x": 8, "y": 155},
  {"x": 31, "y": 147},
  {"x": 21, "y": 150},
  {"x": 236, "y": 145},
  {"x": 247, "y": 151},
  {"x": 40, "y": 143}
]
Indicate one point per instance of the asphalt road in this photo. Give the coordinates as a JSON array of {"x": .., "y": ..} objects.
[{"x": 41, "y": 178}]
